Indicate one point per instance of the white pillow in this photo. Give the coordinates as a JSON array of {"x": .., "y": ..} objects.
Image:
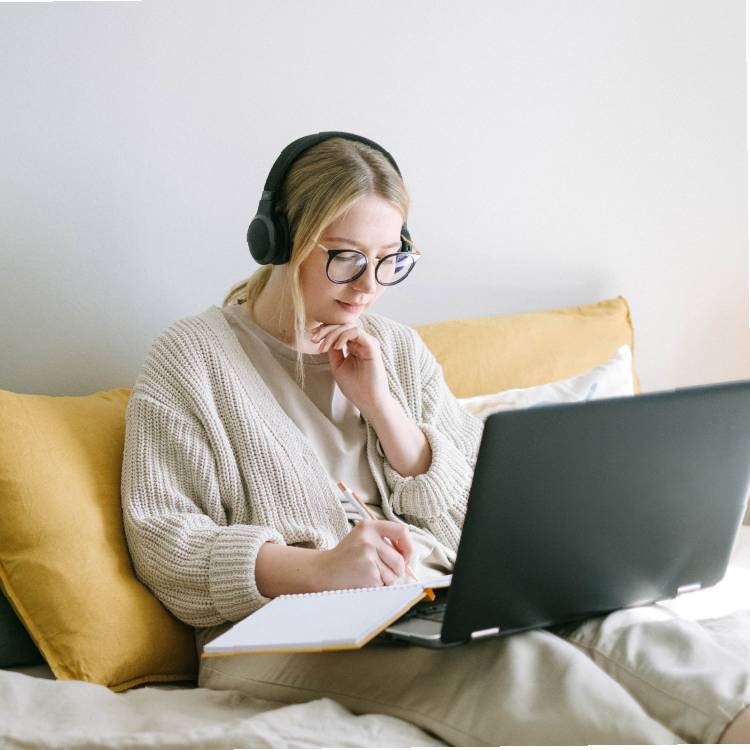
[{"x": 613, "y": 378}]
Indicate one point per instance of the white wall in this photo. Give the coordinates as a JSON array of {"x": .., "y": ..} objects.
[{"x": 557, "y": 153}]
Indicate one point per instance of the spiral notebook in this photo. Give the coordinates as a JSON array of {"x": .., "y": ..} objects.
[{"x": 321, "y": 621}]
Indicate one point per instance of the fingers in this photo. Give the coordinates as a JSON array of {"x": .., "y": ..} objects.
[
  {"x": 322, "y": 329},
  {"x": 390, "y": 562},
  {"x": 337, "y": 341},
  {"x": 335, "y": 337},
  {"x": 399, "y": 534},
  {"x": 329, "y": 331},
  {"x": 394, "y": 563},
  {"x": 336, "y": 358},
  {"x": 387, "y": 576}
]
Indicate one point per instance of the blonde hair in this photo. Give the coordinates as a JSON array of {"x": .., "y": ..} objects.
[{"x": 320, "y": 186}]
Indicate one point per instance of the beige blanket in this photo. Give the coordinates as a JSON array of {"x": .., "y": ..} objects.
[
  {"x": 40, "y": 713},
  {"x": 36, "y": 712}
]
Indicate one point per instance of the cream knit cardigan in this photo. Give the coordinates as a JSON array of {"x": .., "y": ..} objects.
[{"x": 213, "y": 467}]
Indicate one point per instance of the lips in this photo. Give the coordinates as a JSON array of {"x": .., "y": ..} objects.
[{"x": 352, "y": 309}]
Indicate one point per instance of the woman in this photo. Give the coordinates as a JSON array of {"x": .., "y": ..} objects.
[{"x": 244, "y": 419}]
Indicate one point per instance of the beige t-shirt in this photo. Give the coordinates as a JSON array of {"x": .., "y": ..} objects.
[{"x": 332, "y": 424}]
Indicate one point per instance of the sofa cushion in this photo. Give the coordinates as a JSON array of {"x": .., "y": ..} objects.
[
  {"x": 64, "y": 562},
  {"x": 496, "y": 353},
  {"x": 611, "y": 379}
]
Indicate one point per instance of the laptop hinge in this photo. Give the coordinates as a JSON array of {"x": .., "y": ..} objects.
[
  {"x": 484, "y": 633},
  {"x": 688, "y": 587}
]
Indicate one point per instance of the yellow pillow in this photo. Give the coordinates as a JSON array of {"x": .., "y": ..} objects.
[
  {"x": 64, "y": 562},
  {"x": 500, "y": 352}
]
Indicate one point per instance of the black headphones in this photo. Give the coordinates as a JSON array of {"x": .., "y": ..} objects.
[{"x": 268, "y": 235}]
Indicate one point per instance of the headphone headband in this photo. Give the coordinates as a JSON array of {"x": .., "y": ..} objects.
[
  {"x": 296, "y": 148},
  {"x": 268, "y": 235}
]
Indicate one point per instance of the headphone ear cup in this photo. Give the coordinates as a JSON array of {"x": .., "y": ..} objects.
[
  {"x": 268, "y": 236},
  {"x": 283, "y": 240},
  {"x": 261, "y": 236},
  {"x": 405, "y": 246}
]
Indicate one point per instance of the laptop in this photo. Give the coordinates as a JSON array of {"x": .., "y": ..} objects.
[{"x": 576, "y": 510}]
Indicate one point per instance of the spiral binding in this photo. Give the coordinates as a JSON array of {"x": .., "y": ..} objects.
[{"x": 356, "y": 591}]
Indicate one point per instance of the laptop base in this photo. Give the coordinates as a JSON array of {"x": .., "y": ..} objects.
[{"x": 418, "y": 632}]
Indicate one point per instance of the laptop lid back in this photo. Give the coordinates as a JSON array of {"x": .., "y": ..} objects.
[{"x": 579, "y": 509}]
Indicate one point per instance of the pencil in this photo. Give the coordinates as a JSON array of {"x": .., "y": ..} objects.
[{"x": 350, "y": 494}]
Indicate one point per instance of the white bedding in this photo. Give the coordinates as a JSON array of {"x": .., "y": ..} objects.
[{"x": 37, "y": 712}]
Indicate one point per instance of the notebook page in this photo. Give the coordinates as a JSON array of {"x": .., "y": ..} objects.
[
  {"x": 438, "y": 582},
  {"x": 324, "y": 619}
]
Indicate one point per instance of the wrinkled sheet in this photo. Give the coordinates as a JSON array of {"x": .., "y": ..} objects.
[
  {"x": 72, "y": 715},
  {"x": 36, "y": 712}
]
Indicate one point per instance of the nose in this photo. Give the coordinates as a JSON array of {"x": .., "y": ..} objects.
[{"x": 366, "y": 282}]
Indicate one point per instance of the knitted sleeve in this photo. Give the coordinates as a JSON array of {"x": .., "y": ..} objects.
[
  {"x": 436, "y": 500},
  {"x": 182, "y": 548}
]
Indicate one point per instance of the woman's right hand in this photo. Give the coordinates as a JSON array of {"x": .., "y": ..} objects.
[{"x": 363, "y": 558}]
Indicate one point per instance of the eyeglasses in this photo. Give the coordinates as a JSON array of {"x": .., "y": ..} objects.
[{"x": 345, "y": 265}]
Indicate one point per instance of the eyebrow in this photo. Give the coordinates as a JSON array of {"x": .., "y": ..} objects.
[{"x": 357, "y": 244}]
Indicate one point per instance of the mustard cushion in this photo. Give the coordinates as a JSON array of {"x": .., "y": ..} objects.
[
  {"x": 64, "y": 562},
  {"x": 500, "y": 352}
]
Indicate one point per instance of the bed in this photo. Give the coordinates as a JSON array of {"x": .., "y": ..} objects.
[
  {"x": 525, "y": 359},
  {"x": 41, "y": 712}
]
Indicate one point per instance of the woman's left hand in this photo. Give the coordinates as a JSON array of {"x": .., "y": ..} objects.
[{"x": 361, "y": 375}]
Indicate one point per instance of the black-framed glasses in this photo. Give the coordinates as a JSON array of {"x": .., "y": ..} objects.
[{"x": 346, "y": 265}]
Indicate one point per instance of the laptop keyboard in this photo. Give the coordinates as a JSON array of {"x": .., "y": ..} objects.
[{"x": 430, "y": 610}]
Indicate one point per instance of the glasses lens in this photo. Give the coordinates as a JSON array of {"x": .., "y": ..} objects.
[
  {"x": 345, "y": 265},
  {"x": 395, "y": 268}
]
